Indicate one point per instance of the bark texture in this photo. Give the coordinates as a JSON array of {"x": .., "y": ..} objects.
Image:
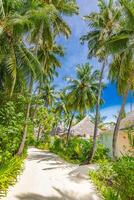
[
  {"x": 69, "y": 129},
  {"x": 21, "y": 147},
  {"x": 92, "y": 151},
  {"x": 116, "y": 129}
]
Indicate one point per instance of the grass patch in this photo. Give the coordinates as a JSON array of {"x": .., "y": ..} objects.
[
  {"x": 9, "y": 173},
  {"x": 115, "y": 180},
  {"x": 76, "y": 151}
]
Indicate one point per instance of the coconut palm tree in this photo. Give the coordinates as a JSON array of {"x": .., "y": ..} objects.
[
  {"x": 101, "y": 120},
  {"x": 122, "y": 73},
  {"x": 15, "y": 57},
  {"x": 82, "y": 91},
  {"x": 122, "y": 69},
  {"x": 47, "y": 22},
  {"x": 101, "y": 27},
  {"x": 49, "y": 94}
]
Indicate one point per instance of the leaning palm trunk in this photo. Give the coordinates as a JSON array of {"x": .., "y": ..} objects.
[
  {"x": 36, "y": 105},
  {"x": 39, "y": 132},
  {"x": 69, "y": 129},
  {"x": 116, "y": 129},
  {"x": 92, "y": 151},
  {"x": 21, "y": 148}
]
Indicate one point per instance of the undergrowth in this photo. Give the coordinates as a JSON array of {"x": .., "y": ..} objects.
[
  {"x": 9, "y": 173},
  {"x": 115, "y": 180}
]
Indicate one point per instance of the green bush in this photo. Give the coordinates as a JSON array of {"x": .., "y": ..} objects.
[
  {"x": 10, "y": 131},
  {"x": 10, "y": 138},
  {"x": 9, "y": 173},
  {"x": 115, "y": 179},
  {"x": 57, "y": 145},
  {"x": 12, "y": 117},
  {"x": 77, "y": 149},
  {"x": 123, "y": 181}
]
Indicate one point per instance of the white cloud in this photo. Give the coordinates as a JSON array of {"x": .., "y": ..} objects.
[{"x": 113, "y": 110}]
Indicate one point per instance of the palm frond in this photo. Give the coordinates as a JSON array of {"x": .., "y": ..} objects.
[{"x": 2, "y": 12}]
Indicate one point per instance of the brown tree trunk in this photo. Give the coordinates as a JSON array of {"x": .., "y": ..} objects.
[
  {"x": 21, "y": 147},
  {"x": 36, "y": 105},
  {"x": 116, "y": 129},
  {"x": 92, "y": 151},
  {"x": 39, "y": 133},
  {"x": 70, "y": 124}
]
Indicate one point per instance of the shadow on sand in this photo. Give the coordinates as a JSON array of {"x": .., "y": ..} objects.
[{"x": 61, "y": 195}]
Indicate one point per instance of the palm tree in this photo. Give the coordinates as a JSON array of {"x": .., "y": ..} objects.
[
  {"x": 82, "y": 91},
  {"x": 49, "y": 94},
  {"x": 101, "y": 120},
  {"x": 122, "y": 72},
  {"x": 122, "y": 69},
  {"x": 48, "y": 58},
  {"x": 17, "y": 60},
  {"x": 101, "y": 27},
  {"x": 47, "y": 22},
  {"x": 15, "y": 57}
]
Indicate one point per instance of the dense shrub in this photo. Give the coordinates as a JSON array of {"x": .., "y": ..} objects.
[
  {"x": 12, "y": 116},
  {"x": 77, "y": 149},
  {"x": 10, "y": 138},
  {"x": 115, "y": 179},
  {"x": 123, "y": 181},
  {"x": 9, "y": 173},
  {"x": 10, "y": 131}
]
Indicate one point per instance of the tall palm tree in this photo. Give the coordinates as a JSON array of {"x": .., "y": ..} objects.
[
  {"x": 101, "y": 27},
  {"x": 101, "y": 120},
  {"x": 47, "y": 22},
  {"x": 122, "y": 69},
  {"x": 15, "y": 57},
  {"x": 49, "y": 94},
  {"x": 48, "y": 57},
  {"x": 122, "y": 72},
  {"x": 82, "y": 91}
]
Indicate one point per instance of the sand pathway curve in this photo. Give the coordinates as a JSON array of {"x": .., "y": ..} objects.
[{"x": 47, "y": 177}]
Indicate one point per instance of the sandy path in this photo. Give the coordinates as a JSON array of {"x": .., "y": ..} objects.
[{"x": 47, "y": 177}]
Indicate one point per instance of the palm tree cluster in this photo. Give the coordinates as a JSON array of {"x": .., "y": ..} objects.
[
  {"x": 29, "y": 58},
  {"x": 28, "y": 49},
  {"x": 110, "y": 40}
]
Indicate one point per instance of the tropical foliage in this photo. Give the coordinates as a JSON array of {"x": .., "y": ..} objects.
[
  {"x": 32, "y": 107},
  {"x": 115, "y": 180}
]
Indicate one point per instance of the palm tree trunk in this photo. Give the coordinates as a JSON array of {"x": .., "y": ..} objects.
[
  {"x": 69, "y": 128},
  {"x": 39, "y": 132},
  {"x": 36, "y": 105},
  {"x": 92, "y": 151},
  {"x": 21, "y": 148},
  {"x": 116, "y": 129}
]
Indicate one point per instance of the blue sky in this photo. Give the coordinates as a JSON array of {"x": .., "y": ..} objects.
[{"x": 75, "y": 53}]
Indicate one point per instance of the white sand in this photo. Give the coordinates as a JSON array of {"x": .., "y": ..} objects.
[{"x": 47, "y": 177}]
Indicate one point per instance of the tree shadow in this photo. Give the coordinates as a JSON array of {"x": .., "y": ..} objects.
[
  {"x": 57, "y": 167},
  {"x": 40, "y": 157},
  {"x": 61, "y": 195},
  {"x": 77, "y": 178}
]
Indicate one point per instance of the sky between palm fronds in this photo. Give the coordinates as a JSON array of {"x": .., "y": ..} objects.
[{"x": 77, "y": 54}]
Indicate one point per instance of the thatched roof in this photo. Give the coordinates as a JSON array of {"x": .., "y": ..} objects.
[
  {"x": 128, "y": 121},
  {"x": 84, "y": 128}
]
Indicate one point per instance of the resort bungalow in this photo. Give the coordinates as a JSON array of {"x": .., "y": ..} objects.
[
  {"x": 125, "y": 136},
  {"x": 84, "y": 128}
]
